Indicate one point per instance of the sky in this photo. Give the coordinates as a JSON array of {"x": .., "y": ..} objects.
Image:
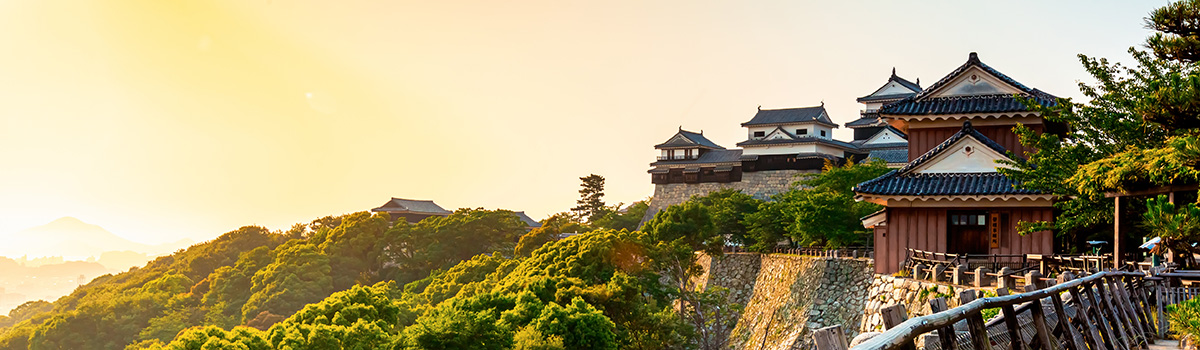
[{"x": 163, "y": 120}]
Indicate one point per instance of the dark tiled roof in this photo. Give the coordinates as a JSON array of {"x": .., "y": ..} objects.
[
  {"x": 902, "y": 182},
  {"x": 791, "y": 115},
  {"x": 529, "y": 222},
  {"x": 412, "y": 206},
  {"x": 712, "y": 156},
  {"x": 805, "y": 139},
  {"x": 966, "y": 104},
  {"x": 861, "y": 143},
  {"x": 892, "y": 155},
  {"x": 871, "y": 119},
  {"x": 816, "y": 156},
  {"x": 896, "y": 78},
  {"x": 884, "y": 97},
  {"x": 697, "y": 140},
  {"x": 941, "y": 184},
  {"x": 922, "y": 104},
  {"x": 903, "y": 145},
  {"x": 905, "y": 82},
  {"x": 877, "y": 212}
]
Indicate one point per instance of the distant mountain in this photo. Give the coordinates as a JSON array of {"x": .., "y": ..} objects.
[{"x": 74, "y": 239}]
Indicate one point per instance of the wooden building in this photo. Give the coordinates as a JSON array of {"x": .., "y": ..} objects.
[
  {"x": 689, "y": 157},
  {"x": 874, "y": 137},
  {"x": 949, "y": 197},
  {"x": 411, "y": 210},
  {"x": 777, "y": 139}
]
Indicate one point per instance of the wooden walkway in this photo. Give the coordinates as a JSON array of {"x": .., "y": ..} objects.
[
  {"x": 1108, "y": 310},
  {"x": 1165, "y": 344}
]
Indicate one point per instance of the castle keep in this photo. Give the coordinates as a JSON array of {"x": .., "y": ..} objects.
[{"x": 780, "y": 143}]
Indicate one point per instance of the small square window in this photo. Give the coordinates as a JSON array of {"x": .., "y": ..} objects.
[
  {"x": 982, "y": 220},
  {"x": 822, "y": 133},
  {"x": 954, "y": 220}
]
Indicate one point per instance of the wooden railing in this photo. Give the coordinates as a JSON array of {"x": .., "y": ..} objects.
[
  {"x": 844, "y": 252},
  {"x": 993, "y": 262},
  {"x": 1117, "y": 310}
]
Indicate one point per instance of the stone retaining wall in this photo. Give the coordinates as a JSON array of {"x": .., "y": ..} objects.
[
  {"x": 914, "y": 294},
  {"x": 786, "y": 297},
  {"x": 760, "y": 184}
]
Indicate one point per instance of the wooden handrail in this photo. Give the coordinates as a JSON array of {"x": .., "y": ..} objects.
[{"x": 904, "y": 333}]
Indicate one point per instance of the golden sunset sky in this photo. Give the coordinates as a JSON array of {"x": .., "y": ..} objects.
[{"x": 169, "y": 119}]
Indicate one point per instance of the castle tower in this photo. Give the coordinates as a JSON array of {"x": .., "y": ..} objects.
[{"x": 950, "y": 198}]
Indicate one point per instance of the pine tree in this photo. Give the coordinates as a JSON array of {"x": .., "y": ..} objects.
[
  {"x": 591, "y": 198},
  {"x": 1178, "y": 37}
]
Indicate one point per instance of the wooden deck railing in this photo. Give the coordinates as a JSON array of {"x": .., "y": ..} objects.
[
  {"x": 1109, "y": 310},
  {"x": 843, "y": 252}
]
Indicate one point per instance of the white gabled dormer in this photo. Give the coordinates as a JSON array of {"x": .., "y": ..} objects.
[
  {"x": 894, "y": 89},
  {"x": 975, "y": 81},
  {"x": 967, "y": 155},
  {"x": 888, "y": 135}
]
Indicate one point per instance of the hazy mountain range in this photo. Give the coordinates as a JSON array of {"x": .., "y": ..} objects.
[
  {"x": 76, "y": 240},
  {"x": 49, "y": 261}
]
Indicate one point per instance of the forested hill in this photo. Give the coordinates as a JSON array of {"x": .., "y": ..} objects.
[{"x": 357, "y": 282}]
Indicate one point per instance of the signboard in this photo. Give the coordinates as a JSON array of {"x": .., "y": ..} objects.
[{"x": 994, "y": 229}]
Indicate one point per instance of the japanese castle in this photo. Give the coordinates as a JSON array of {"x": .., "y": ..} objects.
[
  {"x": 787, "y": 139},
  {"x": 945, "y": 194}
]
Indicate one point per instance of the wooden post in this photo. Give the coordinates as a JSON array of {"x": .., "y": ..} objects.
[
  {"x": 1118, "y": 221},
  {"x": 1128, "y": 320},
  {"x": 945, "y": 334},
  {"x": 1133, "y": 306},
  {"x": 1098, "y": 329},
  {"x": 1158, "y": 298},
  {"x": 1043, "y": 336},
  {"x": 1148, "y": 291},
  {"x": 894, "y": 315},
  {"x": 830, "y": 338},
  {"x": 979, "y": 334},
  {"x": 1071, "y": 337},
  {"x": 1103, "y": 307},
  {"x": 1010, "y": 321}
]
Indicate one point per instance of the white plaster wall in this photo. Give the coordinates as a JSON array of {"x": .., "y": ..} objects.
[{"x": 780, "y": 149}]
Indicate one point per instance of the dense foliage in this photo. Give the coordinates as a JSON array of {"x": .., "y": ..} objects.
[
  {"x": 1177, "y": 226},
  {"x": 359, "y": 282},
  {"x": 256, "y": 278},
  {"x": 819, "y": 211},
  {"x": 1138, "y": 130},
  {"x": 1185, "y": 319}
]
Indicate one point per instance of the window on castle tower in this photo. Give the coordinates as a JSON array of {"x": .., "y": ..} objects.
[
  {"x": 760, "y": 133},
  {"x": 822, "y": 133},
  {"x": 801, "y": 131}
]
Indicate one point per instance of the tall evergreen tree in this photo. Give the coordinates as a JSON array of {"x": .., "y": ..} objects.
[{"x": 591, "y": 198}]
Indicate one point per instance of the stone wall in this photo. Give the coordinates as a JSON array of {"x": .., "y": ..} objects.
[
  {"x": 914, "y": 294},
  {"x": 760, "y": 184},
  {"x": 785, "y": 297}
]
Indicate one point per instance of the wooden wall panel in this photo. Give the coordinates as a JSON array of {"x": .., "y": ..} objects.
[
  {"x": 923, "y": 140},
  {"x": 925, "y": 229}
]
